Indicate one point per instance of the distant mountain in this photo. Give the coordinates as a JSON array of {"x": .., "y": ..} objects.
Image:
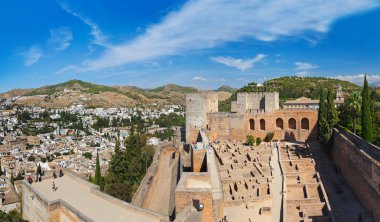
[
  {"x": 94, "y": 95},
  {"x": 226, "y": 89},
  {"x": 292, "y": 87}
]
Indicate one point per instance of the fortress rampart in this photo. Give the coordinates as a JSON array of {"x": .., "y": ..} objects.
[{"x": 358, "y": 161}]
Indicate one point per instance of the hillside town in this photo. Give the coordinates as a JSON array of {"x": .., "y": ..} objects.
[{"x": 52, "y": 140}]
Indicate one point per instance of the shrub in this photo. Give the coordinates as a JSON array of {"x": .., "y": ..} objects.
[
  {"x": 31, "y": 158},
  {"x": 258, "y": 140},
  {"x": 88, "y": 155},
  {"x": 269, "y": 137},
  {"x": 250, "y": 140}
]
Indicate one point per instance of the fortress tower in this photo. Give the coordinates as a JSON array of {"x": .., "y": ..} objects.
[
  {"x": 255, "y": 102},
  {"x": 197, "y": 107}
]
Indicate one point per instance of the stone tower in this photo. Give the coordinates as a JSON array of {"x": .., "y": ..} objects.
[
  {"x": 197, "y": 106},
  {"x": 339, "y": 92}
]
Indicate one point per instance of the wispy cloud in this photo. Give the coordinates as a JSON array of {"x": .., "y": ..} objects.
[
  {"x": 239, "y": 63},
  {"x": 202, "y": 24},
  {"x": 199, "y": 78},
  {"x": 33, "y": 55},
  {"x": 98, "y": 37},
  {"x": 60, "y": 38},
  {"x": 304, "y": 68},
  {"x": 359, "y": 79}
]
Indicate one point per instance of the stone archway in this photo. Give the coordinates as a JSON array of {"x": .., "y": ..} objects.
[
  {"x": 252, "y": 124},
  {"x": 279, "y": 124},
  {"x": 292, "y": 124},
  {"x": 262, "y": 124},
  {"x": 305, "y": 124}
]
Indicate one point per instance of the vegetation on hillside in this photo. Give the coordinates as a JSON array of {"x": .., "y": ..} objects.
[
  {"x": 85, "y": 87},
  {"x": 292, "y": 87},
  {"x": 226, "y": 89}
]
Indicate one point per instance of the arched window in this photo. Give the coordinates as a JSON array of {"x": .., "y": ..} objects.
[
  {"x": 305, "y": 123},
  {"x": 279, "y": 124},
  {"x": 292, "y": 123},
  {"x": 262, "y": 124},
  {"x": 252, "y": 124}
]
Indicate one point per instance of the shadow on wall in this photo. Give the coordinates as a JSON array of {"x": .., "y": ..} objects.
[
  {"x": 313, "y": 136},
  {"x": 290, "y": 136}
]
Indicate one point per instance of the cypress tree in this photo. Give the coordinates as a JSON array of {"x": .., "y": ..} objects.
[
  {"x": 332, "y": 114},
  {"x": 97, "y": 169},
  {"x": 1, "y": 170},
  {"x": 367, "y": 129},
  {"x": 117, "y": 147},
  {"x": 324, "y": 130}
]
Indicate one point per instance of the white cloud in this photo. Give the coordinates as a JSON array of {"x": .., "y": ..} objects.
[
  {"x": 304, "y": 66},
  {"x": 61, "y": 38},
  {"x": 239, "y": 63},
  {"x": 202, "y": 24},
  {"x": 199, "y": 78},
  {"x": 359, "y": 79},
  {"x": 33, "y": 55},
  {"x": 98, "y": 37}
]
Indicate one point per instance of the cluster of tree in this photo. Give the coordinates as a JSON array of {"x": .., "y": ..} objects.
[
  {"x": 170, "y": 120},
  {"x": 12, "y": 216},
  {"x": 127, "y": 166},
  {"x": 166, "y": 135},
  {"x": 360, "y": 114},
  {"x": 251, "y": 141},
  {"x": 68, "y": 118},
  {"x": 24, "y": 116}
]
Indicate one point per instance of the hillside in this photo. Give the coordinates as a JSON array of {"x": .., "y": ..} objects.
[
  {"x": 292, "y": 87},
  {"x": 94, "y": 95},
  {"x": 226, "y": 89}
]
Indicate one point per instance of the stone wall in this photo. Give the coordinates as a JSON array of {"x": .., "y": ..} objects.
[
  {"x": 199, "y": 160},
  {"x": 359, "y": 163}
]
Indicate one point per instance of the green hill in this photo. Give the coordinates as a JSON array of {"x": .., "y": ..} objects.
[
  {"x": 76, "y": 85},
  {"x": 226, "y": 89},
  {"x": 292, "y": 87}
]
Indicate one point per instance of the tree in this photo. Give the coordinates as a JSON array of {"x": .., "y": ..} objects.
[
  {"x": 332, "y": 114},
  {"x": 269, "y": 137},
  {"x": 117, "y": 146},
  {"x": 250, "y": 140},
  {"x": 258, "y": 141},
  {"x": 324, "y": 130},
  {"x": 97, "y": 169},
  {"x": 354, "y": 106},
  {"x": 39, "y": 171},
  {"x": 367, "y": 129},
  {"x": 90, "y": 179},
  {"x": 128, "y": 166}
]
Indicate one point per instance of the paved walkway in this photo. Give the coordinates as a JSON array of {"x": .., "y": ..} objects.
[
  {"x": 344, "y": 204},
  {"x": 78, "y": 195},
  {"x": 276, "y": 186}
]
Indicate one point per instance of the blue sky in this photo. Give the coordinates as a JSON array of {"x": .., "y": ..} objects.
[{"x": 201, "y": 43}]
